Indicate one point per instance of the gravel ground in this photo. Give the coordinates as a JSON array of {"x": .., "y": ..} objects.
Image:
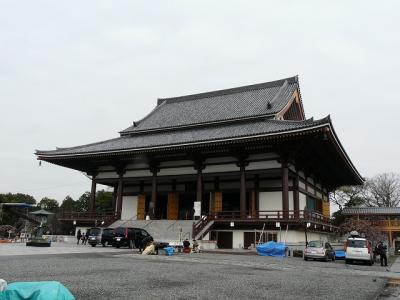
[{"x": 124, "y": 275}]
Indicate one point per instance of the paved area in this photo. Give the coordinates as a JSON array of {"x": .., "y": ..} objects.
[
  {"x": 8, "y": 249},
  {"x": 107, "y": 273}
]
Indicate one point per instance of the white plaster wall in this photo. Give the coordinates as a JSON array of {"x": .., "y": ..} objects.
[
  {"x": 270, "y": 200},
  {"x": 302, "y": 185},
  {"x": 319, "y": 195},
  {"x": 292, "y": 236},
  {"x": 177, "y": 171},
  {"x": 310, "y": 180},
  {"x": 302, "y": 201},
  {"x": 137, "y": 166},
  {"x": 229, "y": 185},
  {"x": 257, "y": 165},
  {"x": 106, "y": 168},
  {"x": 138, "y": 173},
  {"x": 221, "y": 168},
  {"x": 175, "y": 163},
  {"x": 131, "y": 189},
  {"x": 301, "y": 174},
  {"x": 212, "y": 160},
  {"x": 238, "y": 239},
  {"x": 270, "y": 183},
  {"x": 291, "y": 202},
  {"x": 129, "y": 208},
  {"x": 107, "y": 175},
  {"x": 263, "y": 155},
  {"x": 310, "y": 189},
  {"x": 299, "y": 236}
]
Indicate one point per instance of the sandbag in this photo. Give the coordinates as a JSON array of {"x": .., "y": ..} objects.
[
  {"x": 44, "y": 290},
  {"x": 151, "y": 249},
  {"x": 272, "y": 249}
]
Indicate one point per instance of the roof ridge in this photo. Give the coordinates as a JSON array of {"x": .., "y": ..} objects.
[{"x": 234, "y": 90}]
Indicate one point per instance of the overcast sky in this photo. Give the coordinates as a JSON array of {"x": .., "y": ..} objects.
[{"x": 75, "y": 72}]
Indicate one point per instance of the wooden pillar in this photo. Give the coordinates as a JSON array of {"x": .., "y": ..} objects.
[
  {"x": 257, "y": 195},
  {"x": 285, "y": 189},
  {"x": 153, "y": 201},
  {"x": 92, "y": 203},
  {"x": 242, "y": 166},
  {"x": 119, "y": 193},
  {"x": 114, "y": 198},
  {"x": 296, "y": 196},
  {"x": 199, "y": 185}
]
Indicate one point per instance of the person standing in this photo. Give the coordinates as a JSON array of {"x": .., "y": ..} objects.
[
  {"x": 382, "y": 253},
  {"x": 78, "y": 236}
]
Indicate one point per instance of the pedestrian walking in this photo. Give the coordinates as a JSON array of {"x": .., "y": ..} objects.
[
  {"x": 86, "y": 237},
  {"x": 382, "y": 253},
  {"x": 78, "y": 236}
]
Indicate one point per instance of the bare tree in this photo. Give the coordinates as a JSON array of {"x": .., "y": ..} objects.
[
  {"x": 383, "y": 190},
  {"x": 348, "y": 196},
  {"x": 363, "y": 227}
]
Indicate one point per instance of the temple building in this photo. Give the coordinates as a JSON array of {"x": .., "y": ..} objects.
[
  {"x": 233, "y": 160},
  {"x": 386, "y": 219}
]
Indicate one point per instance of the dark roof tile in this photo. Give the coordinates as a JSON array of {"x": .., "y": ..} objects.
[
  {"x": 189, "y": 135},
  {"x": 236, "y": 103}
]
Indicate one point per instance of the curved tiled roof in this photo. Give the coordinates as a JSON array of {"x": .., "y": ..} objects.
[
  {"x": 199, "y": 134},
  {"x": 264, "y": 99},
  {"x": 371, "y": 211}
]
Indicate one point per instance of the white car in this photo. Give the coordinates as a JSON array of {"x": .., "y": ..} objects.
[{"x": 358, "y": 249}]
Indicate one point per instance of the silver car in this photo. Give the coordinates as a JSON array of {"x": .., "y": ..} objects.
[{"x": 319, "y": 250}]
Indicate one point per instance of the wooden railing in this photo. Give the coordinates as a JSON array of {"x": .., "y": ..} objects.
[
  {"x": 293, "y": 216},
  {"x": 386, "y": 223},
  {"x": 199, "y": 225},
  {"x": 92, "y": 217},
  {"x": 271, "y": 215}
]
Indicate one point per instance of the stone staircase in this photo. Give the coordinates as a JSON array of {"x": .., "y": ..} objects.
[{"x": 162, "y": 230}]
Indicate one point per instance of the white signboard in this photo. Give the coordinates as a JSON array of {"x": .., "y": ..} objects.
[{"x": 197, "y": 208}]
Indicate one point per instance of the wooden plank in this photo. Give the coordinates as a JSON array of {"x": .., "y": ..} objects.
[
  {"x": 217, "y": 201},
  {"x": 173, "y": 206},
  {"x": 326, "y": 209},
  {"x": 141, "y": 207}
]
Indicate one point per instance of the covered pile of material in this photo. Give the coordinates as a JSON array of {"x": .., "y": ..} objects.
[
  {"x": 272, "y": 249},
  {"x": 44, "y": 290}
]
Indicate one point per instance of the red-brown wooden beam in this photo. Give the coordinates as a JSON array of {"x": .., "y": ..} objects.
[
  {"x": 199, "y": 184},
  {"x": 153, "y": 201},
  {"x": 119, "y": 194},
  {"x": 92, "y": 202},
  {"x": 285, "y": 189},
  {"x": 114, "y": 198},
  {"x": 242, "y": 165},
  {"x": 296, "y": 196}
]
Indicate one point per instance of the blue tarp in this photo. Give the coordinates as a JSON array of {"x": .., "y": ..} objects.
[
  {"x": 169, "y": 251},
  {"x": 44, "y": 290},
  {"x": 272, "y": 249}
]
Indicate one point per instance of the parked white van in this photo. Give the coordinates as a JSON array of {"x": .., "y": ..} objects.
[{"x": 358, "y": 249}]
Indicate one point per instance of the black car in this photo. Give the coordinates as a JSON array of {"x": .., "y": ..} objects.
[
  {"x": 95, "y": 234},
  {"x": 107, "y": 237},
  {"x": 129, "y": 237}
]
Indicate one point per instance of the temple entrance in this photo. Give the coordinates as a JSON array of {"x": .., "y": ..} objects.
[
  {"x": 231, "y": 201},
  {"x": 186, "y": 203},
  {"x": 161, "y": 206},
  {"x": 224, "y": 239}
]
